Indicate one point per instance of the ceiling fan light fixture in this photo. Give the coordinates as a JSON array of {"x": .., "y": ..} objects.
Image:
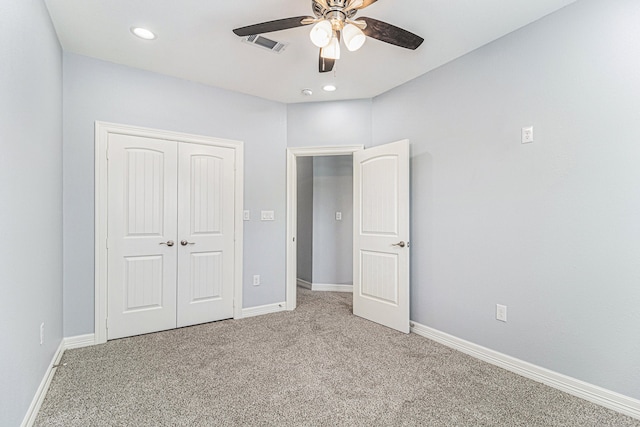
[
  {"x": 321, "y": 33},
  {"x": 354, "y": 38},
  {"x": 332, "y": 50}
]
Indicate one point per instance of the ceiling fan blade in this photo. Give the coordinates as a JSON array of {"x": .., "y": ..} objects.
[
  {"x": 325, "y": 64},
  {"x": 277, "y": 25},
  {"x": 391, "y": 34},
  {"x": 323, "y": 3}
]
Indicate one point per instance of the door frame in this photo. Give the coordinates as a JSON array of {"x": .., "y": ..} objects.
[
  {"x": 292, "y": 207},
  {"x": 102, "y": 131}
]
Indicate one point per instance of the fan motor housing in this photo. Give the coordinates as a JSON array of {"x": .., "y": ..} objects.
[{"x": 335, "y": 6}]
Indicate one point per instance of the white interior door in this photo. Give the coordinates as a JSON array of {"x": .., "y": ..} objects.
[
  {"x": 381, "y": 235},
  {"x": 142, "y": 222},
  {"x": 206, "y": 230}
]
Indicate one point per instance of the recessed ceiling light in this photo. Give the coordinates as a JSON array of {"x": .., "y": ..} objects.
[
  {"x": 143, "y": 33},
  {"x": 329, "y": 88}
]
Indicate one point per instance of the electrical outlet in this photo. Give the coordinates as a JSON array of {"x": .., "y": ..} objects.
[
  {"x": 501, "y": 312},
  {"x": 42, "y": 333},
  {"x": 338, "y": 216},
  {"x": 527, "y": 135},
  {"x": 256, "y": 280}
]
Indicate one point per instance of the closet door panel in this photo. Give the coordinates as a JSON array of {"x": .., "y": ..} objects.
[
  {"x": 206, "y": 232},
  {"x": 142, "y": 223}
]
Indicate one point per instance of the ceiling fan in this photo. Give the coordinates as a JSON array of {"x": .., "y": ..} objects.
[{"x": 334, "y": 21}]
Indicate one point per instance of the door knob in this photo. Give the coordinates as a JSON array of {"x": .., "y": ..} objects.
[
  {"x": 168, "y": 243},
  {"x": 185, "y": 243},
  {"x": 401, "y": 244}
]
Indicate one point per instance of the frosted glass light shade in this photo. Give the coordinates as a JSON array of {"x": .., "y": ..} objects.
[
  {"x": 354, "y": 38},
  {"x": 332, "y": 50},
  {"x": 321, "y": 33}
]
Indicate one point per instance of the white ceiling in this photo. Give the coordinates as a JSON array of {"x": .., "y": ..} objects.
[{"x": 195, "y": 41}]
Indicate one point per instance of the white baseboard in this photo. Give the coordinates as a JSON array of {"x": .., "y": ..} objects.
[
  {"x": 330, "y": 287},
  {"x": 65, "y": 344},
  {"x": 325, "y": 287},
  {"x": 598, "y": 395},
  {"x": 263, "y": 309},
  {"x": 41, "y": 392},
  {"x": 79, "y": 341},
  {"x": 304, "y": 284}
]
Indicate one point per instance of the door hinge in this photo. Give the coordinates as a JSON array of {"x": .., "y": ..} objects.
[
  {"x": 106, "y": 323},
  {"x": 106, "y": 242}
]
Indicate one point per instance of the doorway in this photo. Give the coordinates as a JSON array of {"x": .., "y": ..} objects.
[
  {"x": 293, "y": 154},
  {"x": 325, "y": 223},
  {"x": 380, "y": 230}
]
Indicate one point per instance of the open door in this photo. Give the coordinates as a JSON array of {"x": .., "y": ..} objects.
[{"x": 381, "y": 235}]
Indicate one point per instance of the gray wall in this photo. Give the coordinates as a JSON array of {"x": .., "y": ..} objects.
[
  {"x": 97, "y": 90},
  {"x": 305, "y": 219},
  {"x": 332, "y": 239},
  {"x": 31, "y": 200},
  {"x": 551, "y": 229},
  {"x": 329, "y": 123}
]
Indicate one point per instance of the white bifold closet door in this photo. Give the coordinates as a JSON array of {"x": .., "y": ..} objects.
[{"x": 171, "y": 234}]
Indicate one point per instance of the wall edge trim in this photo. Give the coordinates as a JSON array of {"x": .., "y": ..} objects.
[
  {"x": 41, "y": 392},
  {"x": 304, "y": 284},
  {"x": 79, "y": 341},
  {"x": 609, "y": 399},
  {"x": 263, "y": 309},
  {"x": 331, "y": 287}
]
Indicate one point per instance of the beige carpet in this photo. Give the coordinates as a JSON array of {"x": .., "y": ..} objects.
[{"x": 316, "y": 366}]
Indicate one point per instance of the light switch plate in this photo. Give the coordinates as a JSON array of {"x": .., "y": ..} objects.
[
  {"x": 267, "y": 216},
  {"x": 246, "y": 215}
]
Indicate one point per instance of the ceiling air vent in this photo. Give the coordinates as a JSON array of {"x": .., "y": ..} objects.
[{"x": 265, "y": 43}]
